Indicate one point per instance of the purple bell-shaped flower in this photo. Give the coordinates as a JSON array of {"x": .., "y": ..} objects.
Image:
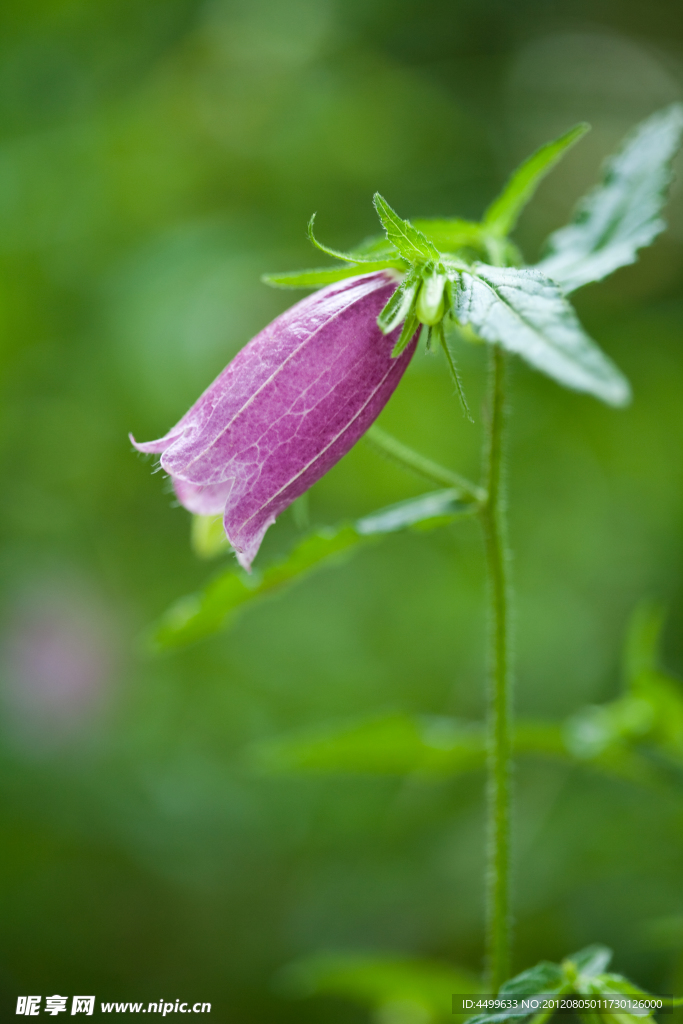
[{"x": 291, "y": 403}]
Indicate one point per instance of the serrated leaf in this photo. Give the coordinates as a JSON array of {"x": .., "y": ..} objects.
[
  {"x": 198, "y": 616},
  {"x": 377, "y": 980},
  {"x": 622, "y": 214},
  {"x": 326, "y": 275},
  {"x": 400, "y": 303},
  {"x": 346, "y": 257},
  {"x": 501, "y": 216},
  {"x": 525, "y": 312},
  {"x": 410, "y": 242}
]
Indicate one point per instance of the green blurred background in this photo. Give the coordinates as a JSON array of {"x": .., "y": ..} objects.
[{"x": 156, "y": 158}]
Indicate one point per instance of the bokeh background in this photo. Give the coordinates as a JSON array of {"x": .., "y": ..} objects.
[{"x": 156, "y": 158}]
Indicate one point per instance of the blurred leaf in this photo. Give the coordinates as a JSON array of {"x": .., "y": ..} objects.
[
  {"x": 544, "y": 977},
  {"x": 526, "y": 313},
  {"x": 621, "y": 215},
  {"x": 501, "y": 216},
  {"x": 207, "y": 536},
  {"x": 641, "y": 650},
  {"x": 590, "y": 960},
  {"x": 453, "y": 234},
  {"x": 391, "y": 745},
  {"x": 381, "y": 981},
  {"x": 197, "y": 616},
  {"x": 410, "y": 242},
  {"x": 430, "y": 747},
  {"x": 323, "y": 276}
]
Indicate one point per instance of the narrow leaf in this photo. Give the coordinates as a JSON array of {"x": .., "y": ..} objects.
[
  {"x": 410, "y": 326},
  {"x": 453, "y": 369},
  {"x": 346, "y": 257},
  {"x": 622, "y": 214},
  {"x": 326, "y": 275},
  {"x": 426, "y": 747},
  {"x": 410, "y": 242},
  {"x": 502, "y": 214},
  {"x": 197, "y": 616},
  {"x": 400, "y": 303},
  {"x": 526, "y": 313}
]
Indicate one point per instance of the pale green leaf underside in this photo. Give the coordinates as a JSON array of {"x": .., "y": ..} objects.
[
  {"x": 502, "y": 214},
  {"x": 526, "y": 313},
  {"x": 197, "y": 616},
  {"x": 622, "y": 214}
]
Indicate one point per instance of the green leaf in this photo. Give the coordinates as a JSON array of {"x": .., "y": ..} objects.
[
  {"x": 391, "y": 745},
  {"x": 410, "y": 328},
  {"x": 197, "y": 616},
  {"x": 526, "y": 313},
  {"x": 424, "y": 512},
  {"x": 590, "y": 960},
  {"x": 622, "y": 214},
  {"x": 452, "y": 235},
  {"x": 398, "y": 744},
  {"x": 453, "y": 370},
  {"x": 326, "y": 275},
  {"x": 502, "y": 214},
  {"x": 399, "y": 305},
  {"x": 428, "y": 747},
  {"x": 410, "y": 242},
  {"x": 381, "y": 980},
  {"x": 544, "y": 977},
  {"x": 641, "y": 651},
  {"x": 346, "y": 257}
]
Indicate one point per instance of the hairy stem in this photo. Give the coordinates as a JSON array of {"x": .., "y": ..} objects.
[
  {"x": 405, "y": 457},
  {"x": 499, "y": 717}
]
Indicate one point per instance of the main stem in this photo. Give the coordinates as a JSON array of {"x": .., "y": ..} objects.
[{"x": 499, "y": 717}]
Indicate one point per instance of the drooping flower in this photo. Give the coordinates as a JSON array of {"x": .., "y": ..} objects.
[{"x": 290, "y": 404}]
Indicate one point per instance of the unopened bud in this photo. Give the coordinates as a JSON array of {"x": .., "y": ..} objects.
[{"x": 430, "y": 304}]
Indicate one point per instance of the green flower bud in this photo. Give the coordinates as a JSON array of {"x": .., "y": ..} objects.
[{"x": 430, "y": 302}]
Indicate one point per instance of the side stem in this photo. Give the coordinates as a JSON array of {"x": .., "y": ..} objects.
[{"x": 499, "y": 715}]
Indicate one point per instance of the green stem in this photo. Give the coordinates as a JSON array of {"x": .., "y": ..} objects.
[
  {"x": 408, "y": 459},
  {"x": 499, "y": 717}
]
